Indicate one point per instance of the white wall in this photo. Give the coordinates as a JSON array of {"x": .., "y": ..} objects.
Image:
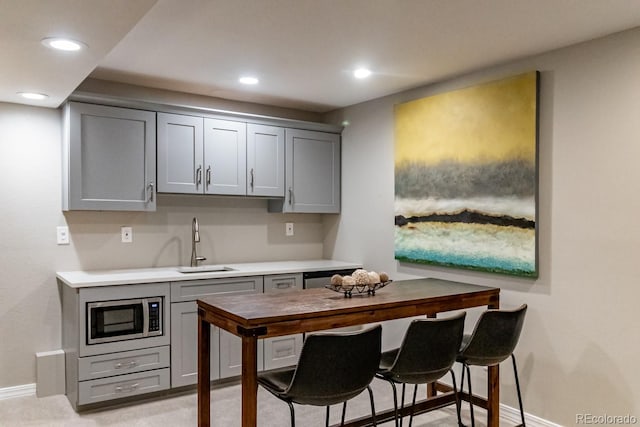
[
  {"x": 232, "y": 230},
  {"x": 581, "y": 338}
]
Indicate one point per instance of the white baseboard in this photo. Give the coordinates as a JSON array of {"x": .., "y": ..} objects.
[
  {"x": 18, "y": 391},
  {"x": 513, "y": 416}
]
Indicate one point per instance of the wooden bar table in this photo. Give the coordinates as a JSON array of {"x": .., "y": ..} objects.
[{"x": 275, "y": 314}]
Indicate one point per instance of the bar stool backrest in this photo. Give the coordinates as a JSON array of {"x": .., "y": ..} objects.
[
  {"x": 428, "y": 350},
  {"x": 494, "y": 338},
  {"x": 335, "y": 367}
]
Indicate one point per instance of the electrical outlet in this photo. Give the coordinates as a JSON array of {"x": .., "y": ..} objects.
[
  {"x": 62, "y": 235},
  {"x": 289, "y": 229},
  {"x": 126, "y": 234}
]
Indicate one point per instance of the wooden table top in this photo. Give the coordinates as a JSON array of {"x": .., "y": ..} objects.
[{"x": 252, "y": 310}]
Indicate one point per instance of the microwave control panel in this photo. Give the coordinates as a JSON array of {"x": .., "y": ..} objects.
[{"x": 154, "y": 316}]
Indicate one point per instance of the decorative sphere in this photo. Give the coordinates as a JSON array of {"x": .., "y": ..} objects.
[
  {"x": 361, "y": 277},
  {"x": 384, "y": 277},
  {"x": 348, "y": 282},
  {"x": 373, "y": 278},
  {"x": 336, "y": 280}
]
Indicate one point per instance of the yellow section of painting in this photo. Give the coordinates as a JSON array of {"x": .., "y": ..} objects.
[{"x": 491, "y": 122}]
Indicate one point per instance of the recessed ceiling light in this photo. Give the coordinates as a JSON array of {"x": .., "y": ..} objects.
[
  {"x": 63, "y": 44},
  {"x": 33, "y": 95},
  {"x": 248, "y": 80},
  {"x": 361, "y": 73}
]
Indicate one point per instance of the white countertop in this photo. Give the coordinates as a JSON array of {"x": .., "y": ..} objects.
[{"x": 85, "y": 279}]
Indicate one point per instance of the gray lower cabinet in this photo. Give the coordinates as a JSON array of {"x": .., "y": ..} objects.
[
  {"x": 312, "y": 173},
  {"x": 282, "y": 351},
  {"x": 109, "y": 158},
  {"x": 101, "y": 371},
  {"x": 124, "y": 374},
  {"x": 184, "y": 330},
  {"x": 123, "y": 362},
  {"x": 231, "y": 355},
  {"x": 109, "y": 388},
  {"x": 226, "y": 361}
]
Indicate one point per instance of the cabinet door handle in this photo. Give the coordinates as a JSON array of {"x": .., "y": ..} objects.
[
  {"x": 283, "y": 285},
  {"x": 208, "y": 176},
  {"x": 151, "y": 187},
  {"x": 199, "y": 175},
  {"x": 290, "y": 195},
  {"x": 251, "y": 179}
]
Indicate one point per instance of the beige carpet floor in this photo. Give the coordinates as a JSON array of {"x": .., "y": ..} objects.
[{"x": 181, "y": 410}]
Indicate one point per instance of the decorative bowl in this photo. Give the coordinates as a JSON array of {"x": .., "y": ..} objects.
[{"x": 348, "y": 290}]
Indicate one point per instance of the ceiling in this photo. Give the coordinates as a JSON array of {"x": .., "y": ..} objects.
[{"x": 303, "y": 51}]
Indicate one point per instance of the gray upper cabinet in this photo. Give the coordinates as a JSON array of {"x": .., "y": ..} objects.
[
  {"x": 312, "y": 178},
  {"x": 225, "y": 157},
  {"x": 109, "y": 158},
  {"x": 265, "y": 160},
  {"x": 180, "y": 153},
  {"x": 201, "y": 155}
]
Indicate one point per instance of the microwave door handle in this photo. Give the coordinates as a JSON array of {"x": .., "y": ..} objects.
[{"x": 145, "y": 317}]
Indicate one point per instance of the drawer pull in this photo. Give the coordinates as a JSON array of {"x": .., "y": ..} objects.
[
  {"x": 284, "y": 352},
  {"x": 283, "y": 285},
  {"x": 127, "y": 388},
  {"x": 129, "y": 365}
]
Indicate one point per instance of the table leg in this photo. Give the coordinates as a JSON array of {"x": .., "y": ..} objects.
[
  {"x": 204, "y": 350},
  {"x": 493, "y": 396},
  {"x": 249, "y": 381},
  {"x": 493, "y": 386}
]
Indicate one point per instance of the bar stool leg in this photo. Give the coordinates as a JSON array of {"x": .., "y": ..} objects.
[
  {"x": 473, "y": 420},
  {"x": 395, "y": 403},
  {"x": 457, "y": 396},
  {"x": 293, "y": 414},
  {"x": 373, "y": 407},
  {"x": 515, "y": 373}
]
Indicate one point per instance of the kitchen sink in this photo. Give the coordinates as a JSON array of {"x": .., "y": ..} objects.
[{"x": 204, "y": 269}]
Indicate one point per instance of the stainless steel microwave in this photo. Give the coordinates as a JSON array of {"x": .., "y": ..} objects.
[{"x": 127, "y": 319}]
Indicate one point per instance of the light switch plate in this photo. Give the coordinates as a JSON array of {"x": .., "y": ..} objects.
[
  {"x": 289, "y": 229},
  {"x": 126, "y": 234},
  {"x": 62, "y": 233}
]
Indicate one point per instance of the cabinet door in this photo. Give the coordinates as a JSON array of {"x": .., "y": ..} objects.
[
  {"x": 231, "y": 355},
  {"x": 265, "y": 160},
  {"x": 184, "y": 345},
  {"x": 109, "y": 160},
  {"x": 282, "y": 351},
  {"x": 180, "y": 154},
  {"x": 312, "y": 173},
  {"x": 225, "y": 157}
]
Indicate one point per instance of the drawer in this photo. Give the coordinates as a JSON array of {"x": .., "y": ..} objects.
[
  {"x": 194, "y": 289},
  {"x": 282, "y": 351},
  {"x": 124, "y": 362},
  {"x": 282, "y": 282},
  {"x": 120, "y": 386}
]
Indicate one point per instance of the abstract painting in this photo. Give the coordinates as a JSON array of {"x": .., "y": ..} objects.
[{"x": 466, "y": 178}]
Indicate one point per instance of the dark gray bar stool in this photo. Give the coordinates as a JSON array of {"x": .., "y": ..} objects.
[
  {"x": 427, "y": 352},
  {"x": 493, "y": 340},
  {"x": 333, "y": 368}
]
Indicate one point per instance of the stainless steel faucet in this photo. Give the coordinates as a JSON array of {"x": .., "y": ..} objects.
[{"x": 195, "y": 238}]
